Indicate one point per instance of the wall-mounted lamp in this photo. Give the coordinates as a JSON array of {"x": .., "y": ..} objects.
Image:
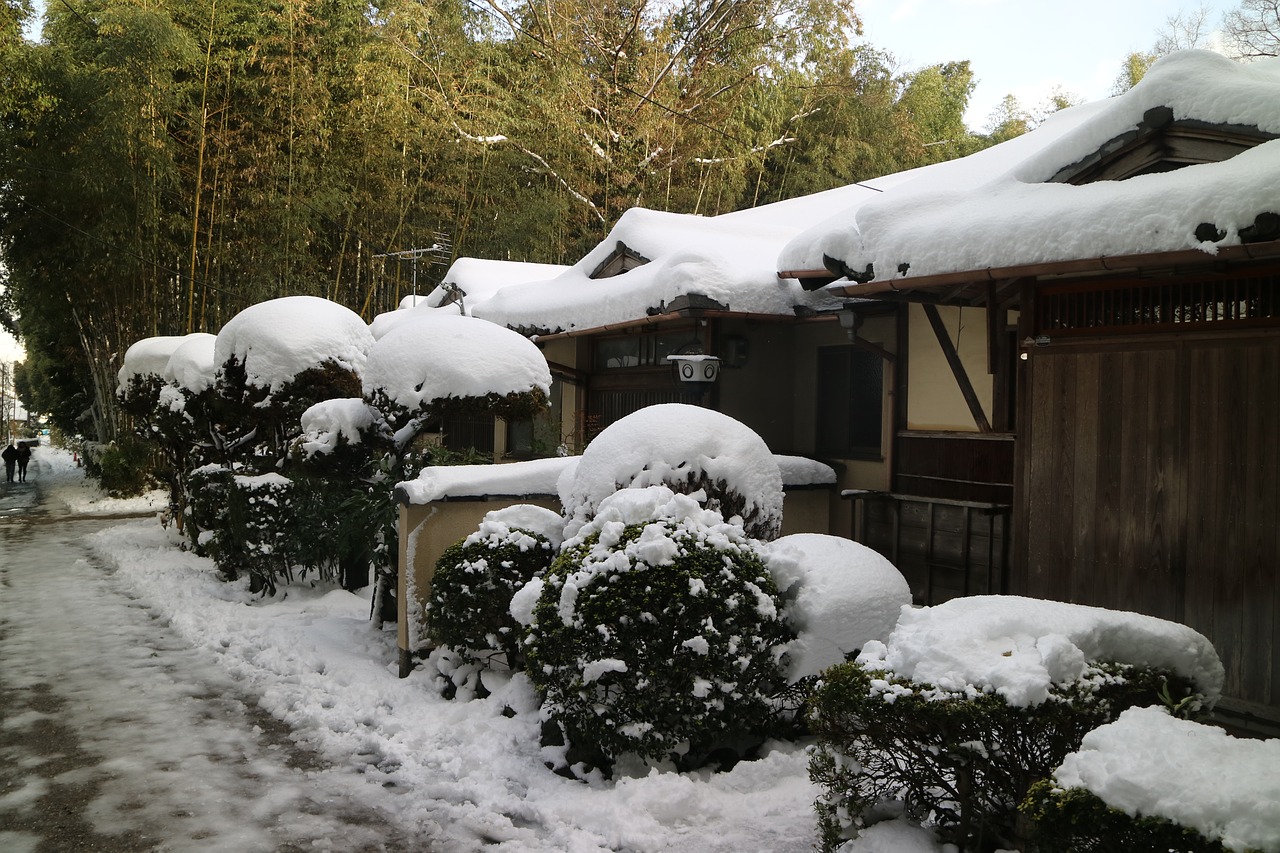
[
  {"x": 1029, "y": 342},
  {"x": 850, "y": 320},
  {"x": 696, "y": 372}
]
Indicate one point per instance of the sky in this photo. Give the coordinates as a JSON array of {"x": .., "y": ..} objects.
[{"x": 1024, "y": 47}]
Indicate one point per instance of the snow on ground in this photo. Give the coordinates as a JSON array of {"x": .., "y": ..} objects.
[
  {"x": 314, "y": 662},
  {"x": 63, "y": 482},
  {"x": 1149, "y": 763}
]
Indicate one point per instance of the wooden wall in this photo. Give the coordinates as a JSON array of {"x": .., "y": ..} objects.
[{"x": 1150, "y": 481}]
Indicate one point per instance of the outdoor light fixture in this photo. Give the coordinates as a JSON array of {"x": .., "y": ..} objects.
[
  {"x": 850, "y": 320},
  {"x": 697, "y": 372},
  {"x": 1029, "y": 342}
]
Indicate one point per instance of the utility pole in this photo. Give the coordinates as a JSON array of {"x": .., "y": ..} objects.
[{"x": 440, "y": 251}]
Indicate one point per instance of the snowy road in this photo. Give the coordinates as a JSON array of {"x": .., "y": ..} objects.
[{"x": 116, "y": 735}]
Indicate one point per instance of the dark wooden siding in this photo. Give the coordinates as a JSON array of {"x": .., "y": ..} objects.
[
  {"x": 955, "y": 466},
  {"x": 1153, "y": 484}
]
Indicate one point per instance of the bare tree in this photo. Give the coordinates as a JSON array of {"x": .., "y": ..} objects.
[{"x": 1253, "y": 29}]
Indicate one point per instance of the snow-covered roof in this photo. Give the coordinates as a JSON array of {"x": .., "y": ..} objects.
[
  {"x": 278, "y": 339},
  {"x": 1000, "y": 208},
  {"x": 728, "y": 259}
]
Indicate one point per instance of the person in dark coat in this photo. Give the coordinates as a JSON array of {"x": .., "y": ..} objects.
[
  {"x": 24, "y": 456},
  {"x": 10, "y": 459}
]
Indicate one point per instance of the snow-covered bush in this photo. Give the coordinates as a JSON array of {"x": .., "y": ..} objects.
[
  {"x": 688, "y": 449},
  {"x": 839, "y": 595},
  {"x": 1152, "y": 781},
  {"x": 972, "y": 702},
  {"x": 476, "y": 577},
  {"x": 657, "y": 632}
]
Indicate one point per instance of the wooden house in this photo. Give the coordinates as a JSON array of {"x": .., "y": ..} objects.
[{"x": 1104, "y": 298}]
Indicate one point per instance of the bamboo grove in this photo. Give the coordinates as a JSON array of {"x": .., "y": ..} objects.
[{"x": 165, "y": 163}]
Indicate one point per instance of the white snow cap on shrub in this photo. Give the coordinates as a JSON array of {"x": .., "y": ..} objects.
[
  {"x": 329, "y": 420},
  {"x": 840, "y": 596},
  {"x": 665, "y": 444},
  {"x": 278, "y": 339},
  {"x": 1018, "y": 647},
  {"x": 433, "y": 356},
  {"x": 1148, "y": 763},
  {"x": 498, "y": 524},
  {"x": 146, "y": 357},
  {"x": 191, "y": 366}
]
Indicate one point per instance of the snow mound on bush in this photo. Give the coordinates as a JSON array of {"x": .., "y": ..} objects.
[
  {"x": 1151, "y": 764},
  {"x": 669, "y": 444},
  {"x": 432, "y": 356},
  {"x": 840, "y": 595},
  {"x": 278, "y": 339},
  {"x": 326, "y": 423},
  {"x": 191, "y": 367},
  {"x": 497, "y": 525},
  {"x": 1019, "y": 647},
  {"x": 146, "y": 357}
]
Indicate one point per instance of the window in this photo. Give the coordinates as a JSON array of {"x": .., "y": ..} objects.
[{"x": 850, "y": 403}]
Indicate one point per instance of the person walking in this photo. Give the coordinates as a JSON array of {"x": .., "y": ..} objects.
[
  {"x": 24, "y": 456},
  {"x": 10, "y": 459}
]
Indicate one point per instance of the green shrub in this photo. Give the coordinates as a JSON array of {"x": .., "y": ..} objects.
[
  {"x": 963, "y": 761},
  {"x": 1074, "y": 820},
  {"x": 125, "y": 468},
  {"x": 469, "y": 608},
  {"x": 648, "y": 639}
]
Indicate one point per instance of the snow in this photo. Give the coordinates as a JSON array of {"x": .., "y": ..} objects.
[
  {"x": 669, "y": 443},
  {"x": 1019, "y": 647},
  {"x": 278, "y": 339},
  {"x": 531, "y": 477},
  {"x": 147, "y": 357},
  {"x": 191, "y": 367},
  {"x": 330, "y": 422},
  {"x": 731, "y": 261},
  {"x": 499, "y": 525},
  {"x": 840, "y": 595},
  {"x": 995, "y": 209},
  {"x": 437, "y": 355},
  {"x": 480, "y": 279},
  {"x": 1148, "y": 763},
  {"x": 63, "y": 483},
  {"x": 802, "y": 471},
  {"x": 465, "y": 776}
]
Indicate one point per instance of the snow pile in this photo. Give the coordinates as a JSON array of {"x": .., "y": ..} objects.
[
  {"x": 278, "y": 339},
  {"x": 1019, "y": 647},
  {"x": 62, "y": 481},
  {"x": 840, "y": 596},
  {"x": 330, "y": 422},
  {"x": 996, "y": 209},
  {"x": 191, "y": 368},
  {"x": 675, "y": 444},
  {"x": 1148, "y": 763},
  {"x": 896, "y": 836},
  {"x": 147, "y": 357},
  {"x": 438, "y": 355},
  {"x": 802, "y": 471}
]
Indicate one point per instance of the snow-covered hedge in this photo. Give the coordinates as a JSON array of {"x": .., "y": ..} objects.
[
  {"x": 470, "y": 605},
  {"x": 657, "y": 632},
  {"x": 688, "y": 449},
  {"x": 971, "y": 702},
  {"x": 1152, "y": 781}
]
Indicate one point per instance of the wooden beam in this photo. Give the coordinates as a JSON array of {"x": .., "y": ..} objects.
[{"x": 957, "y": 368}]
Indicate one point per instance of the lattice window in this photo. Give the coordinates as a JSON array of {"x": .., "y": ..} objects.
[{"x": 1133, "y": 306}]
